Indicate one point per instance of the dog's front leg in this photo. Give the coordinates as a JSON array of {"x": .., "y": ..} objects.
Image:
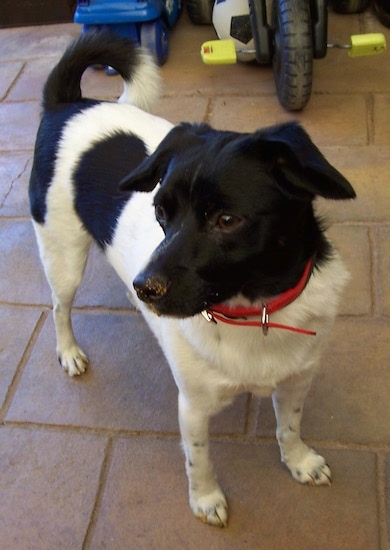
[
  {"x": 305, "y": 465},
  {"x": 206, "y": 498}
]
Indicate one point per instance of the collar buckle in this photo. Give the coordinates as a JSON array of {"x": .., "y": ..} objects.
[
  {"x": 264, "y": 320},
  {"x": 208, "y": 316}
]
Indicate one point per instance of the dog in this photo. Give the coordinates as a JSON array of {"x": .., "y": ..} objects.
[{"x": 213, "y": 233}]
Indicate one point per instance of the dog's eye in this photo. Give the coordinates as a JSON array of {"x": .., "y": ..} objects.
[
  {"x": 160, "y": 213},
  {"x": 228, "y": 222}
]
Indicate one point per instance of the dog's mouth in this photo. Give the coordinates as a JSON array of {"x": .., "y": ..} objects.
[
  {"x": 174, "y": 309},
  {"x": 158, "y": 296}
]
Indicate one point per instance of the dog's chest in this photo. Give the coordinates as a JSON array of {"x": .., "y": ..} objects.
[{"x": 243, "y": 357}]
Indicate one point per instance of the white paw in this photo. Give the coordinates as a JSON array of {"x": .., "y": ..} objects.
[
  {"x": 73, "y": 361},
  {"x": 312, "y": 469},
  {"x": 211, "y": 509}
]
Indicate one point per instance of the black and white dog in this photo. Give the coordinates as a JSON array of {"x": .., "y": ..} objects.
[{"x": 214, "y": 234}]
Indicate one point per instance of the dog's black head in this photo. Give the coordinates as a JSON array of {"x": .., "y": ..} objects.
[{"x": 237, "y": 214}]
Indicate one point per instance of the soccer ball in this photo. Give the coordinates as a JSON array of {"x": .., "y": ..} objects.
[{"x": 231, "y": 20}]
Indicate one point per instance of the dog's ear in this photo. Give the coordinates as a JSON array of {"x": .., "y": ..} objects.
[
  {"x": 299, "y": 168},
  {"x": 151, "y": 170}
]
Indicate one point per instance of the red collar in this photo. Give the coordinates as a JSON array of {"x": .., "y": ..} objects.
[{"x": 239, "y": 315}]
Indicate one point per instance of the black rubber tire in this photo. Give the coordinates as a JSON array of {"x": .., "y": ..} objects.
[
  {"x": 293, "y": 52},
  {"x": 200, "y": 11}
]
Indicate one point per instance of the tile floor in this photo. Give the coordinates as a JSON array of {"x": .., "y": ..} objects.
[{"x": 95, "y": 462}]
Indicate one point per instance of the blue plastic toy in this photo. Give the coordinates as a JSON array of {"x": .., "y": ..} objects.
[{"x": 145, "y": 22}]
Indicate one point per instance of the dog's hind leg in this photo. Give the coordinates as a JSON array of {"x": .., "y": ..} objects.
[
  {"x": 64, "y": 255},
  {"x": 305, "y": 465}
]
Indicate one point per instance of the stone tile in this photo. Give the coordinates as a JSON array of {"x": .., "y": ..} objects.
[
  {"x": 320, "y": 118},
  {"x": 48, "y": 483},
  {"x": 367, "y": 169},
  {"x": 122, "y": 389},
  {"x": 21, "y": 121},
  {"x": 29, "y": 85},
  {"x": 8, "y": 73},
  {"x": 17, "y": 327},
  {"x": 384, "y": 268},
  {"x": 353, "y": 243},
  {"x": 194, "y": 77},
  {"x": 382, "y": 119},
  {"x": 185, "y": 73},
  {"x": 371, "y": 23},
  {"x": 189, "y": 109},
  {"x": 339, "y": 73},
  {"x": 348, "y": 400},
  {"x": 14, "y": 177},
  {"x": 145, "y": 501},
  {"x": 21, "y": 277},
  {"x": 247, "y": 114},
  {"x": 101, "y": 286},
  {"x": 36, "y": 41},
  {"x": 95, "y": 83},
  {"x": 128, "y": 385},
  {"x": 341, "y": 26},
  {"x": 387, "y": 497},
  {"x": 336, "y": 119}
]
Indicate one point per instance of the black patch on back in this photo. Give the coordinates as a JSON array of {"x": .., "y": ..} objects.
[
  {"x": 45, "y": 154},
  {"x": 98, "y": 200}
]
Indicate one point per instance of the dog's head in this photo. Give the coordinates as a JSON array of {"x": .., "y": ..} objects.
[{"x": 236, "y": 211}]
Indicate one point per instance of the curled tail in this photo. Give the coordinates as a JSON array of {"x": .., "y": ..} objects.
[{"x": 140, "y": 75}]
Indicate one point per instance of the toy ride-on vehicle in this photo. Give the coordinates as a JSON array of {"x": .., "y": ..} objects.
[
  {"x": 145, "y": 22},
  {"x": 288, "y": 34}
]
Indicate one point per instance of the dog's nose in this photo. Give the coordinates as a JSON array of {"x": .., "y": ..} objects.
[{"x": 150, "y": 289}]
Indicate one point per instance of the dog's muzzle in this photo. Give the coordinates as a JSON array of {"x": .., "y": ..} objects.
[{"x": 150, "y": 289}]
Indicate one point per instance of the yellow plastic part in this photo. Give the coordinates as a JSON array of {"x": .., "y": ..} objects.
[
  {"x": 367, "y": 44},
  {"x": 219, "y": 52}
]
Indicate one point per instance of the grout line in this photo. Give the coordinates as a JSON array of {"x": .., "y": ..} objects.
[
  {"x": 14, "y": 151},
  {"x": 44, "y": 307},
  {"x": 368, "y": 223},
  {"x": 21, "y": 366},
  {"x": 384, "y": 541},
  {"x": 251, "y": 415},
  {"x": 237, "y": 437},
  {"x": 246, "y": 93},
  {"x": 94, "y": 310},
  {"x": 124, "y": 311},
  {"x": 374, "y": 271},
  {"x": 14, "y": 182},
  {"x": 8, "y": 90},
  {"x": 105, "y": 469},
  {"x": 34, "y": 100},
  {"x": 14, "y": 217},
  {"x": 106, "y": 310},
  {"x": 209, "y": 111},
  {"x": 370, "y": 103},
  {"x": 101, "y": 432}
]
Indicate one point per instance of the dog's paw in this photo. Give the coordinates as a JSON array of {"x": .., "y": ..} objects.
[
  {"x": 311, "y": 469},
  {"x": 73, "y": 361},
  {"x": 211, "y": 509}
]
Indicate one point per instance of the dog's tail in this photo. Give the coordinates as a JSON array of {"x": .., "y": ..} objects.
[{"x": 140, "y": 75}]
